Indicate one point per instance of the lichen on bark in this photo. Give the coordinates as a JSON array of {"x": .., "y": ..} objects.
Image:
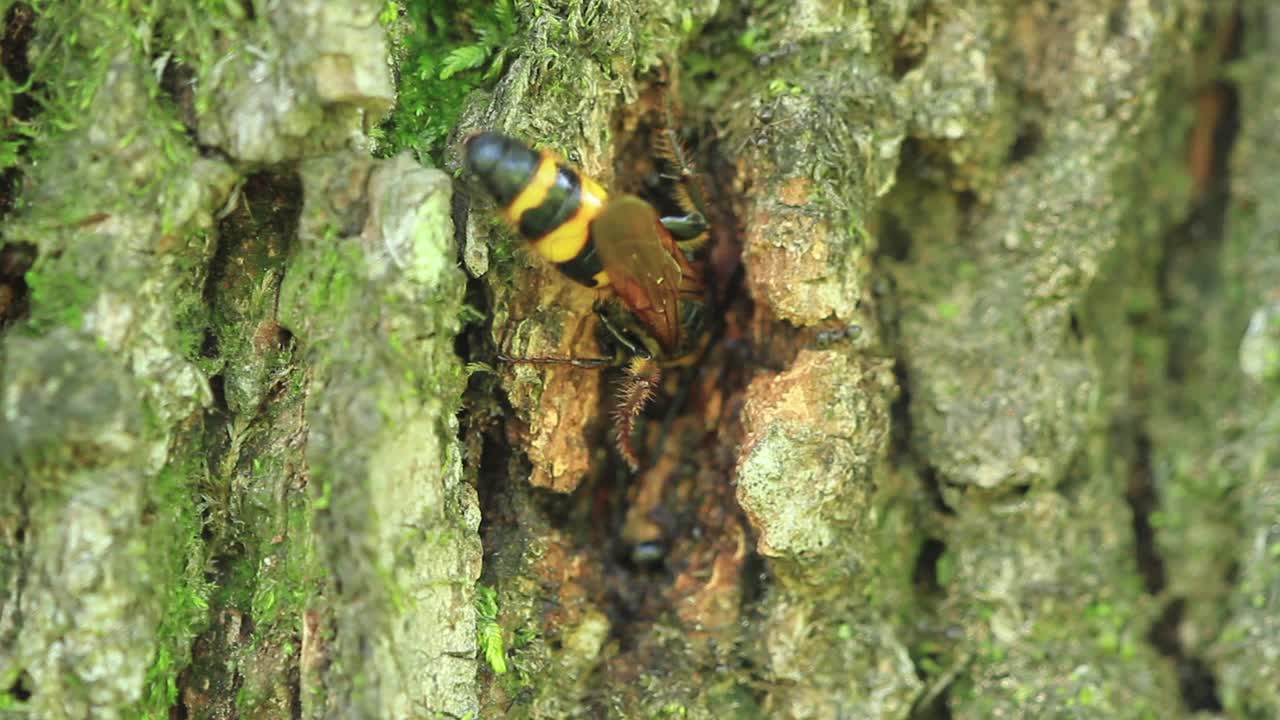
[
  {"x": 95, "y": 394},
  {"x": 172, "y": 542},
  {"x": 397, "y": 525},
  {"x": 969, "y": 184}
]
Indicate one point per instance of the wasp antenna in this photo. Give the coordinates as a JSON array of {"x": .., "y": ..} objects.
[
  {"x": 663, "y": 148},
  {"x": 633, "y": 394},
  {"x": 689, "y": 191},
  {"x": 683, "y": 154},
  {"x": 685, "y": 200},
  {"x": 668, "y": 146},
  {"x": 693, "y": 245}
]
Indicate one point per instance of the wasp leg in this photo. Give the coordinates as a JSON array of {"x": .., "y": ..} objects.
[
  {"x": 689, "y": 226},
  {"x": 638, "y": 386},
  {"x": 595, "y": 362},
  {"x": 627, "y": 344}
]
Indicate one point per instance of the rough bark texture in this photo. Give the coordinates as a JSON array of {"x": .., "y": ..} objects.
[
  {"x": 986, "y": 426},
  {"x": 232, "y": 476}
]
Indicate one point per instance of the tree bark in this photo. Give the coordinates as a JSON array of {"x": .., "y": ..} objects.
[{"x": 985, "y": 425}]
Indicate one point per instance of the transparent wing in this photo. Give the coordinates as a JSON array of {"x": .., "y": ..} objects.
[{"x": 645, "y": 275}]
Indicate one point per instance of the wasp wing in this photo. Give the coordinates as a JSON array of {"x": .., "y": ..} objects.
[{"x": 633, "y": 248}]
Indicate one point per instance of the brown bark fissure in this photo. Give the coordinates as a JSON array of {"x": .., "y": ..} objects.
[{"x": 984, "y": 426}]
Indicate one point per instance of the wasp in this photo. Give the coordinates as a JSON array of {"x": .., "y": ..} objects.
[{"x": 653, "y": 296}]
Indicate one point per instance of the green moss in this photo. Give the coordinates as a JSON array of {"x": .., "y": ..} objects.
[
  {"x": 191, "y": 315},
  {"x": 673, "y": 710},
  {"x": 946, "y": 569},
  {"x": 175, "y": 535},
  {"x": 13, "y": 144},
  {"x": 75, "y": 48},
  {"x": 335, "y": 281},
  {"x": 8, "y": 702},
  {"x": 58, "y": 297},
  {"x": 948, "y": 310},
  {"x": 446, "y": 50},
  {"x": 488, "y": 631}
]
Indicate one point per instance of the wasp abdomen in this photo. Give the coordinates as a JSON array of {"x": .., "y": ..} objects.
[
  {"x": 559, "y": 203},
  {"x": 550, "y": 203}
]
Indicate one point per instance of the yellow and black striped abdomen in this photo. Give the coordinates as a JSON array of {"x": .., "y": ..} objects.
[{"x": 550, "y": 203}]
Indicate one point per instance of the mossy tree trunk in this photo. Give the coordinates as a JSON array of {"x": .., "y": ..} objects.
[
  {"x": 986, "y": 426},
  {"x": 232, "y": 482}
]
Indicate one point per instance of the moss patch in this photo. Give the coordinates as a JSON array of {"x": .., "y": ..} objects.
[{"x": 444, "y": 51}]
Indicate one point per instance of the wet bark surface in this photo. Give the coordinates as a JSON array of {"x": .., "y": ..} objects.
[{"x": 983, "y": 423}]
